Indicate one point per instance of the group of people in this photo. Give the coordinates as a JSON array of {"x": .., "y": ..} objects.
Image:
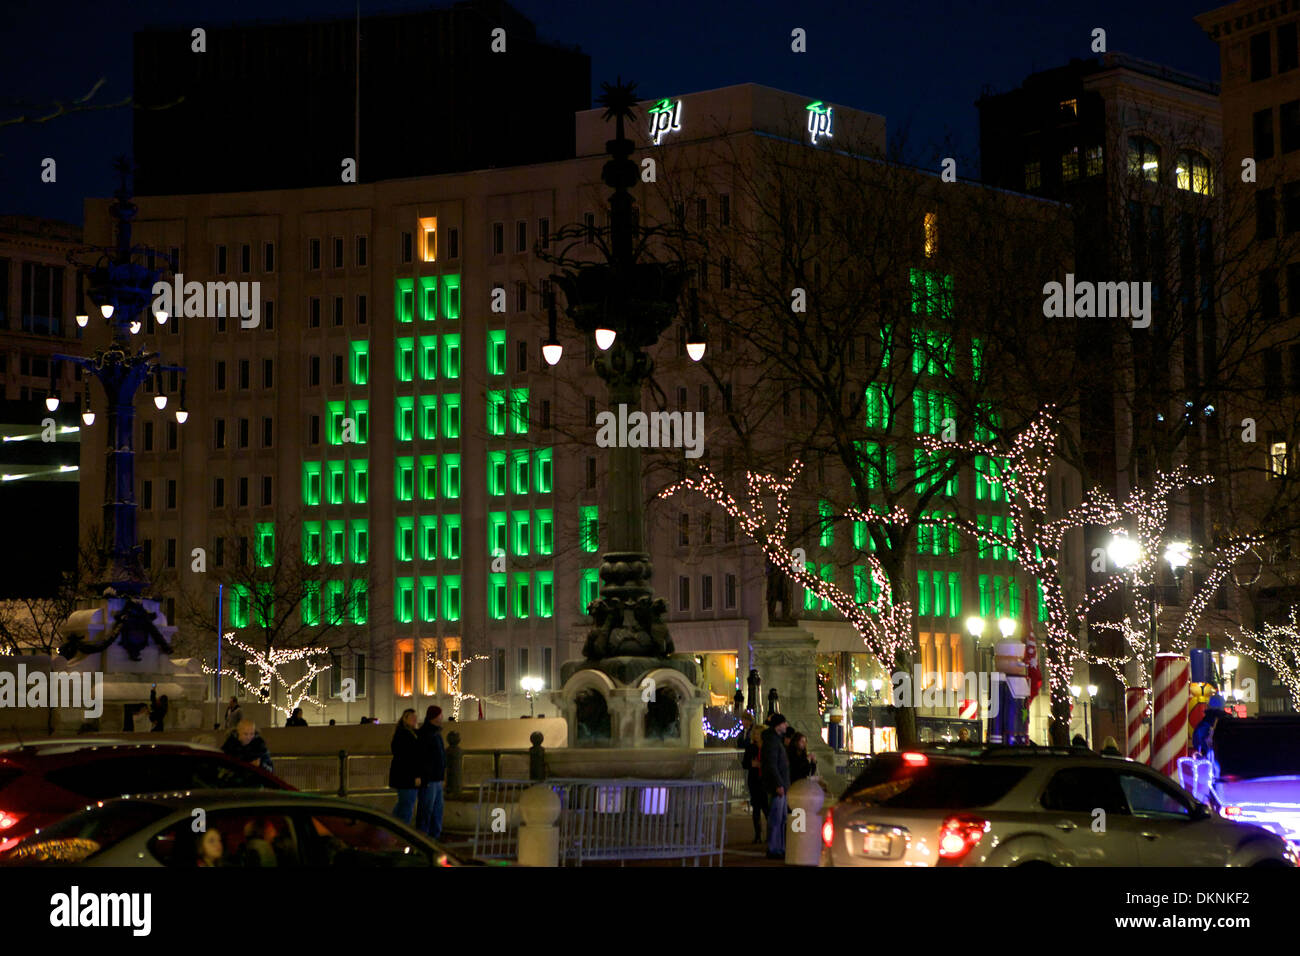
[
  {"x": 418, "y": 770},
  {"x": 773, "y": 759}
]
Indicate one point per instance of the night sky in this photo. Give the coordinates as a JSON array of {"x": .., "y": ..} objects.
[{"x": 921, "y": 64}]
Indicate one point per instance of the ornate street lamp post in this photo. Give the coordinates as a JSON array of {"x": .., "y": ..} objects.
[{"x": 122, "y": 277}]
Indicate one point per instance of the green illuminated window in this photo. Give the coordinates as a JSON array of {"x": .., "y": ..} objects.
[
  {"x": 451, "y": 356},
  {"x": 240, "y": 601},
  {"x": 932, "y": 293},
  {"x": 543, "y": 470},
  {"x": 862, "y": 537},
  {"x": 496, "y": 473},
  {"x": 827, "y": 574},
  {"x": 334, "y": 550},
  {"x": 428, "y": 599},
  {"x": 987, "y": 421},
  {"x": 451, "y": 416},
  {"x": 311, "y": 602},
  {"x": 827, "y": 521},
  {"x": 428, "y": 477},
  {"x": 519, "y": 471},
  {"x": 1013, "y": 598},
  {"x": 496, "y": 352},
  {"x": 497, "y": 596},
  {"x": 404, "y": 473},
  {"x": 405, "y": 604},
  {"x": 451, "y": 476},
  {"x": 334, "y": 422},
  {"x": 977, "y": 358},
  {"x": 311, "y": 542},
  {"x": 335, "y": 598},
  {"x": 809, "y": 595},
  {"x": 405, "y": 539},
  {"x": 451, "y": 297},
  {"x": 264, "y": 536},
  {"x": 879, "y": 406},
  {"x": 496, "y": 413},
  {"x": 428, "y": 537},
  {"x": 863, "y": 593},
  {"x": 982, "y": 523},
  {"x": 879, "y": 465},
  {"x": 361, "y": 418},
  {"x": 939, "y": 592},
  {"x": 335, "y": 483},
  {"x": 428, "y": 417},
  {"x": 590, "y": 587},
  {"x": 519, "y": 526},
  {"x": 924, "y": 608},
  {"x": 886, "y": 345},
  {"x": 360, "y": 363},
  {"x": 360, "y": 602},
  {"x": 405, "y": 360},
  {"x": 496, "y": 532},
  {"x": 428, "y": 357},
  {"x": 544, "y": 533},
  {"x": 451, "y": 597},
  {"x": 404, "y": 423},
  {"x": 404, "y": 299},
  {"x": 954, "y": 594},
  {"x": 360, "y": 530},
  {"x": 428, "y": 298},
  {"x": 523, "y": 594},
  {"x": 311, "y": 482},
  {"x": 360, "y": 481},
  {"x": 519, "y": 411},
  {"x": 451, "y": 536},
  {"x": 995, "y": 525},
  {"x": 986, "y": 596},
  {"x": 545, "y": 594},
  {"x": 589, "y": 527}
]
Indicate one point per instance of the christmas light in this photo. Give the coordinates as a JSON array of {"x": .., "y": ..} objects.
[
  {"x": 1278, "y": 647},
  {"x": 453, "y": 670},
  {"x": 723, "y": 733},
  {"x": 268, "y": 665}
]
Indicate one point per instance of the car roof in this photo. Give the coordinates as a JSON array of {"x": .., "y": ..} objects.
[
  {"x": 58, "y": 748},
  {"x": 234, "y": 797}
]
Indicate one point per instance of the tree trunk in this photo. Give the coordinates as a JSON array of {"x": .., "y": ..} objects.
[{"x": 905, "y": 716}]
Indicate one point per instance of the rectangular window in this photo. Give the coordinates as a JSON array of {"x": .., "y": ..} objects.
[
  {"x": 451, "y": 476},
  {"x": 1262, "y": 134},
  {"x": 519, "y": 411},
  {"x": 683, "y": 593},
  {"x": 451, "y": 356},
  {"x": 428, "y": 477},
  {"x": 589, "y": 527},
  {"x": 522, "y": 605},
  {"x": 589, "y": 589},
  {"x": 496, "y": 472},
  {"x": 496, "y": 412},
  {"x": 405, "y": 362},
  {"x": 311, "y": 472},
  {"x": 542, "y": 469},
  {"x": 706, "y": 593},
  {"x": 496, "y": 352},
  {"x": 1261, "y": 67},
  {"x": 360, "y": 363},
  {"x": 404, "y": 422},
  {"x": 428, "y": 357},
  {"x": 429, "y": 417},
  {"x": 544, "y": 531},
  {"x": 519, "y": 471},
  {"x": 334, "y": 482},
  {"x": 1288, "y": 57},
  {"x": 428, "y": 537},
  {"x": 428, "y": 298},
  {"x": 404, "y": 299},
  {"x": 405, "y": 603},
  {"x": 451, "y": 416},
  {"x": 520, "y": 524},
  {"x": 451, "y": 537},
  {"x": 359, "y": 530},
  {"x": 544, "y": 233},
  {"x": 1288, "y": 118},
  {"x": 497, "y": 597},
  {"x": 451, "y": 597},
  {"x": 429, "y": 238},
  {"x": 404, "y": 475},
  {"x": 405, "y": 539},
  {"x": 546, "y": 608},
  {"x": 359, "y": 252}
]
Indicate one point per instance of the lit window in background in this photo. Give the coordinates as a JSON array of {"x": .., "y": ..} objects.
[
  {"x": 931, "y": 234},
  {"x": 429, "y": 243},
  {"x": 1192, "y": 174},
  {"x": 1277, "y": 458}
]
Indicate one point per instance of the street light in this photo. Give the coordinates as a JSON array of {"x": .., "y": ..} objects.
[
  {"x": 975, "y": 627},
  {"x": 1007, "y": 626},
  {"x": 531, "y": 686},
  {"x": 1124, "y": 551}
]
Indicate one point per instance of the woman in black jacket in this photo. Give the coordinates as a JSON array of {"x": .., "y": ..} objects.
[
  {"x": 404, "y": 771},
  {"x": 751, "y": 760},
  {"x": 802, "y": 763}
]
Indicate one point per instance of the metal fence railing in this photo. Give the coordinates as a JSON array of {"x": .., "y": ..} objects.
[
  {"x": 613, "y": 820},
  {"x": 723, "y": 766}
]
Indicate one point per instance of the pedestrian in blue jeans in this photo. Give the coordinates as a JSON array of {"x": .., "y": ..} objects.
[
  {"x": 433, "y": 770},
  {"x": 776, "y": 781},
  {"x": 404, "y": 773}
]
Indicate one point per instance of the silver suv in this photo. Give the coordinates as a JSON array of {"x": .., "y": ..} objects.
[{"x": 1012, "y": 806}]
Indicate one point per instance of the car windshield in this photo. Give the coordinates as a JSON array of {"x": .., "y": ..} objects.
[
  {"x": 84, "y": 834},
  {"x": 1257, "y": 748},
  {"x": 935, "y": 786}
]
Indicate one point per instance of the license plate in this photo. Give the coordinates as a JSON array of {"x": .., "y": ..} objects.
[{"x": 877, "y": 845}]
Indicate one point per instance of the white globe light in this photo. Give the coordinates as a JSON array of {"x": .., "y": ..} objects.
[
  {"x": 160, "y": 401},
  {"x": 1178, "y": 554},
  {"x": 604, "y": 338},
  {"x": 695, "y": 350},
  {"x": 1124, "y": 551},
  {"x": 182, "y": 415},
  {"x": 552, "y": 351},
  {"x": 88, "y": 417},
  {"x": 160, "y": 316},
  {"x": 83, "y": 320},
  {"x": 135, "y": 328},
  {"x": 1092, "y": 690},
  {"x": 975, "y": 626},
  {"x": 1007, "y": 626},
  {"x": 52, "y": 403},
  {"x": 106, "y": 310}
]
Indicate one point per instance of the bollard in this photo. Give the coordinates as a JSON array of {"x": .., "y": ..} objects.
[
  {"x": 539, "y": 837},
  {"x": 536, "y": 758},
  {"x": 455, "y": 764},
  {"x": 803, "y": 837}
]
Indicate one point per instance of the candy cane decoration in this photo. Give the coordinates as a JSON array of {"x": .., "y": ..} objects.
[
  {"x": 1169, "y": 727},
  {"x": 1139, "y": 735}
]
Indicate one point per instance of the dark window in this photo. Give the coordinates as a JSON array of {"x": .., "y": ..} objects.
[
  {"x": 313, "y": 430},
  {"x": 1293, "y": 288},
  {"x": 521, "y": 236},
  {"x": 313, "y": 374},
  {"x": 1147, "y": 798},
  {"x": 453, "y": 243},
  {"x": 1262, "y": 130},
  {"x": 683, "y": 593},
  {"x": 219, "y": 378},
  {"x": 591, "y": 473},
  {"x": 1273, "y": 373},
  {"x": 729, "y": 591},
  {"x": 243, "y": 503},
  {"x": 888, "y": 782},
  {"x": 1269, "y": 300},
  {"x": 1265, "y": 214},
  {"x": 361, "y": 310},
  {"x": 221, "y": 260},
  {"x": 313, "y": 253},
  {"x": 499, "y": 668},
  {"x": 146, "y": 495},
  {"x": 313, "y": 312},
  {"x": 218, "y": 495},
  {"x": 219, "y": 433},
  {"x": 245, "y": 257},
  {"x": 338, "y": 310},
  {"x": 243, "y": 374},
  {"x": 268, "y": 316},
  {"x": 1084, "y": 789},
  {"x": 243, "y": 433},
  {"x": 360, "y": 256},
  {"x": 1288, "y": 119},
  {"x": 268, "y": 373},
  {"x": 338, "y": 369},
  {"x": 42, "y": 305},
  {"x": 1288, "y": 57},
  {"x": 544, "y": 233},
  {"x": 522, "y": 356},
  {"x": 266, "y": 491},
  {"x": 706, "y": 593},
  {"x": 348, "y": 840},
  {"x": 1291, "y": 207},
  {"x": 338, "y": 252},
  {"x": 498, "y": 238},
  {"x": 724, "y": 209},
  {"x": 267, "y": 433},
  {"x": 146, "y": 441},
  {"x": 1261, "y": 67},
  {"x": 407, "y": 247},
  {"x": 268, "y": 257}
]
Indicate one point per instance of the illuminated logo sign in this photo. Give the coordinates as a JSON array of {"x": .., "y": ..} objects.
[
  {"x": 819, "y": 121},
  {"x": 665, "y": 117}
]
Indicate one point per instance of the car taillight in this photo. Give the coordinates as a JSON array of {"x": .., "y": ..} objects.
[
  {"x": 958, "y": 834},
  {"x": 913, "y": 759},
  {"x": 7, "y": 819},
  {"x": 828, "y": 830},
  {"x": 1230, "y": 812}
]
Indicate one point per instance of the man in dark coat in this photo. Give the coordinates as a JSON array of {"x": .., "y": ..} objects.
[
  {"x": 296, "y": 719},
  {"x": 433, "y": 767},
  {"x": 776, "y": 782},
  {"x": 404, "y": 773},
  {"x": 246, "y": 745}
]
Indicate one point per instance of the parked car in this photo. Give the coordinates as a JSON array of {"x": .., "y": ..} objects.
[
  {"x": 1014, "y": 806},
  {"x": 256, "y": 828},
  {"x": 1252, "y": 773},
  {"x": 44, "y": 782}
]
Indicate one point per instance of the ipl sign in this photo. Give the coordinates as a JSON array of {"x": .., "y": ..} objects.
[
  {"x": 819, "y": 121},
  {"x": 665, "y": 117}
]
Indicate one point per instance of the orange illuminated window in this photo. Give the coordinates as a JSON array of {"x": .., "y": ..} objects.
[
  {"x": 429, "y": 240},
  {"x": 931, "y": 233},
  {"x": 427, "y": 666},
  {"x": 404, "y": 668}
]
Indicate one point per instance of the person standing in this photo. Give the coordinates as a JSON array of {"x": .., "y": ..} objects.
[
  {"x": 246, "y": 745},
  {"x": 404, "y": 771},
  {"x": 232, "y": 716},
  {"x": 296, "y": 719},
  {"x": 802, "y": 763},
  {"x": 157, "y": 709},
  {"x": 776, "y": 782},
  {"x": 751, "y": 760},
  {"x": 433, "y": 767}
]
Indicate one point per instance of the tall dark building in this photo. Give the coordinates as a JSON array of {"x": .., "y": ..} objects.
[{"x": 282, "y": 105}]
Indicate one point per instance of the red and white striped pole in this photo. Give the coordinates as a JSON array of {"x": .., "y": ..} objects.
[
  {"x": 1139, "y": 734},
  {"x": 1169, "y": 725}
]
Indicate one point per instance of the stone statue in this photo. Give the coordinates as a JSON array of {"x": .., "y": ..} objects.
[{"x": 780, "y": 597}]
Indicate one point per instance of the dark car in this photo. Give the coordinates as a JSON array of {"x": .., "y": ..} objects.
[
  {"x": 44, "y": 782},
  {"x": 245, "y": 828}
]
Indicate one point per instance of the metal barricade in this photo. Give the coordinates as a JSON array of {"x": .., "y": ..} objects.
[{"x": 723, "y": 766}]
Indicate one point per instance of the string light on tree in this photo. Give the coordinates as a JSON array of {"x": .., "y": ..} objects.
[
  {"x": 1278, "y": 647},
  {"x": 453, "y": 671},
  {"x": 268, "y": 666}
]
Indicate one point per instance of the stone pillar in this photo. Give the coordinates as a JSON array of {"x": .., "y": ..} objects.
[
  {"x": 539, "y": 837},
  {"x": 786, "y": 658},
  {"x": 803, "y": 838}
]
